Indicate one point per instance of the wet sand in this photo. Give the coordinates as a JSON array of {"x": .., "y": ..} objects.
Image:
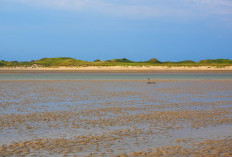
[{"x": 116, "y": 118}]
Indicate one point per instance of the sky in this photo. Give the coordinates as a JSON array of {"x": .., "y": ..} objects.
[{"x": 170, "y": 30}]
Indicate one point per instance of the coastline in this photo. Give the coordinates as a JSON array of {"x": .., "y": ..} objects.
[{"x": 118, "y": 69}]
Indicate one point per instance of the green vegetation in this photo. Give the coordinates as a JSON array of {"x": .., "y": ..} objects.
[
  {"x": 215, "y": 61},
  {"x": 66, "y": 61},
  {"x": 123, "y": 60},
  {"x": 62, "y": 61},
  {"x": 153, "y": 60}
]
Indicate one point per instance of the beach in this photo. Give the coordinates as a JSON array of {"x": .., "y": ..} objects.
[
  {"x": 181, "y": 117},
  {"x": 118, "y": 68},
  {"x": 98, "y": 78}
]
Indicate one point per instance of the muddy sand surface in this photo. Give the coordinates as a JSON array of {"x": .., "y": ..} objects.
[{"x": 116, "y": 118}]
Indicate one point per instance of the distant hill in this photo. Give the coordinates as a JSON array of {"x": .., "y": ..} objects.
[
  {"x": 215, "y": 61},
  {"x": 123, "y": 60},
  {"x": 153, "y": 60},
  {"x": 61, "y": 61},
  {"x": 67, "y": 61}
]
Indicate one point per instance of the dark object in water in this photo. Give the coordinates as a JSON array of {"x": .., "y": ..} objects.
[{"x": 150, "y": 82}]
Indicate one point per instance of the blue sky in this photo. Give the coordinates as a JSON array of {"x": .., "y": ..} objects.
[{"x": 106, "y": 29}]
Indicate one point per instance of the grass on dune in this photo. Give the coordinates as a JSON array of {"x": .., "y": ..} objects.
[{"x": 66, "y": 61}]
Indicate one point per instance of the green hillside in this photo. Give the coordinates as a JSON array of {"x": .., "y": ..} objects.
[
  {"x": 61, "y": 61},
  {"x": 67, "y": 61},
  {"x": 215, "y": 61}
]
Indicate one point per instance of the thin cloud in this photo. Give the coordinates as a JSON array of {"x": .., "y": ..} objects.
[
  {"x": 216, "y": 6},
  {"x": 141, "y": 8}
]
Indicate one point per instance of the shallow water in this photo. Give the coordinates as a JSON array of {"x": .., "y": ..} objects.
[
  {"x": 139, "y": 116},
  {"x": 113, "y": 76}
]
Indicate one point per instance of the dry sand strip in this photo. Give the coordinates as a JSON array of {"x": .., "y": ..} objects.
[{"x": 120, "y": 68}]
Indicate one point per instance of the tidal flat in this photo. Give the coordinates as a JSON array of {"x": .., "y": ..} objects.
[{"x": 115, "y": 118}]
